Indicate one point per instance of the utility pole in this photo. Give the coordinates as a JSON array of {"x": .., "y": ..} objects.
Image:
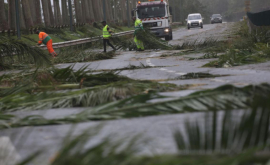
[
  {"x": 104, "y": 10},
  {"x": 18, "y": 19},
  {"x": 70, "y": 15},
  {"x": 128, "y": 18}
]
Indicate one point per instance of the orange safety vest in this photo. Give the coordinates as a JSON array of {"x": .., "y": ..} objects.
[{"x": 43, "y": 38}]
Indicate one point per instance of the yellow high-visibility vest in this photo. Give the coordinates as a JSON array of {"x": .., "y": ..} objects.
[{"x": 106, "y": 33}]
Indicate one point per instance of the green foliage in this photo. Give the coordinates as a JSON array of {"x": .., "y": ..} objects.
[
  {"x": 230, "y": 131},
  {"x": 17, "y": 52},
  {"x": 150, "y": 41},
  {"x": 77, "y": 55},
  {"x": 225, "y": 98},
  {"x": 248, "y": 48},
  {"x": 48, "y": 88}
]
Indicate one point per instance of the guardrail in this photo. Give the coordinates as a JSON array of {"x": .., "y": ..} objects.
[{"x": 84, "y": 40}]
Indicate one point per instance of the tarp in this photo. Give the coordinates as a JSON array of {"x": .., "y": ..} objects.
[{"x": 260, "y": 18}]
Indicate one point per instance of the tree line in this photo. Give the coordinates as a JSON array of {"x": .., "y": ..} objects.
[{"x": 49, "y": 13}]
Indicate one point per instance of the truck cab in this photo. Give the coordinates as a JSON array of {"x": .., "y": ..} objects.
[{"x": 156, "y": 16}]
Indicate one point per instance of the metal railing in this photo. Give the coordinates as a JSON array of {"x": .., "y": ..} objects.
[{"x": 84, "y": 40}]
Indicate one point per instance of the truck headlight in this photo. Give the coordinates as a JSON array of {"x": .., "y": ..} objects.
[
  {"x": 159, "y": 23},
  {"x": 166, "y": 30}
]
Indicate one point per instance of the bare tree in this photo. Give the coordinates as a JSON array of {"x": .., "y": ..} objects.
[
  {"x": 38, "y": 12},
  {"x": 96, "y": 10},
  {"x": 78, "y": 11},
  {"x": 11, "y": 14},
  {"x": 100, "y": 10},
  {"x": 22, "y": 20},
  {"x": 32, "y": 10},
  {"x": 50, "y": 12},
  {"x": 87, "y": 11},
  {"x": 84, "y": 13},
  {"x": 57, "y": 13},
  {"x": 3, "y": 18},
  {"x": 46, "y": 13},
  {"x": 124, "y": 11},
  {"x": 27, "y": 14},
  {"x": 64, "y": 12},
  {"x": 91, "y": 11}
]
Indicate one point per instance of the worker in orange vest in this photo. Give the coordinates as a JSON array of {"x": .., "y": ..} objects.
[{"x": 46, "y": 40}]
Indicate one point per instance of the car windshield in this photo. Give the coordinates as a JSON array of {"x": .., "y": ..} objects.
[
  {"x": 151, "y": 11},
  {"x": 216, "y": 15},
  {"x": 194, "y": 17}
]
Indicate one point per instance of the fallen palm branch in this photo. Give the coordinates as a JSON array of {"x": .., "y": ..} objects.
[
  {"x": 76, "y": 150},
  {"x": 223, "y": 98},
  {"x": 17, "y": 52},
  {"x": 129, "y": 67},
  {"x": 71, "y": 56}
]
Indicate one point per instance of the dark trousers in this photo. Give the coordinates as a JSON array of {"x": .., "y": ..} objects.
[{"x": 108, "y": 42}]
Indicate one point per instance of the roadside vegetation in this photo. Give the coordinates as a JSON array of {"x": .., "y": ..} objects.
[
  {"x": 223, "y": 135},
  {"x": 244, "y": 48},
  {"x": 233, "y": 128}
]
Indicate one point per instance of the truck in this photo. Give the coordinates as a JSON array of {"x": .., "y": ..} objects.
[{"x": 155, "y": 15}]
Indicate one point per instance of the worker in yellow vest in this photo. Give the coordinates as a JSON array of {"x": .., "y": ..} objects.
[
  {"x": 107, "y": 33},
  {"x": 138, "y": 25}
]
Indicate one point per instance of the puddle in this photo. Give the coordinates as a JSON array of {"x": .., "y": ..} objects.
[{"x": 197, "y": 76}]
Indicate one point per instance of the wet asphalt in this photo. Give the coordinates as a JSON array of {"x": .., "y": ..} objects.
[{"x": 157, "y": 130}]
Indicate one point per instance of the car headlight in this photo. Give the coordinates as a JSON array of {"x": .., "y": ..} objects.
[
  {"x": 166, "y": 30},
  {"x": 159, "y": 23},
  {"x": 189, "y": 22}
]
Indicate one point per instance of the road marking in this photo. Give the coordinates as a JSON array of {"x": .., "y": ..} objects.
[
  {"x": 179, "y": 73},
  {"x": 149, "y": 63},
  {"x": 220, "y": 80},
  {"x": 163, "y": 69}
]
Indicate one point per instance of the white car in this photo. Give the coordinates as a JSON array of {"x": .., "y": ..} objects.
[{"x": 194, "y": 20}]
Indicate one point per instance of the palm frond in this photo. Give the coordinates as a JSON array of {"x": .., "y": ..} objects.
[
  {"x": 15, "y": 51},
  {"x": 228, "y": 132},
  {"x": 223, "y": 98}
]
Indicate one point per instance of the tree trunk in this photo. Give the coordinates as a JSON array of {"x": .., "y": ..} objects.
[
  {"x": 22, "y": 20},
  {"x": 124, "y": 12},
  {"x": 3, "y": 18},
  {"x": 78, "y": 11},
  {"x": 11, "y": 14},
  {"x": 95, "y": 10},
  {"x": 84, "y": 12},
  {"x": 100, "y": 9},
  {"x": 64, "y": 12},
  {"x": 38, "y": 12},
  {"x": 50, "y": 12},
  {"x": 91, "y": 11},
  {"x": 88, "y": 17},
  {"x": 57, "y": 13},
  {"x": 33, "y": 11},
  {"x": 27, "y": 14},
  {"x": 46, "y": 13},
  {"x": 108, "y": 14}
]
